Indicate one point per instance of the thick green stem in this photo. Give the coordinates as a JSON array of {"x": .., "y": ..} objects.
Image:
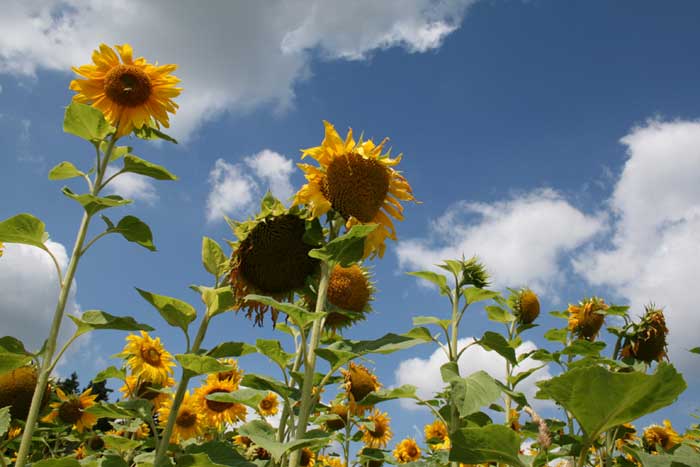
[
  {"x": 47, "y": 362},
  {"x": 509, "y": 370},
  {"x": 286, "y": 411},
  {"x": 454, "y": 357},
  {"x": 310, "y": 363}
]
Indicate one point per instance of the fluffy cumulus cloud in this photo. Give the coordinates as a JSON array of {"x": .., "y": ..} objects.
[
  {"x": 508, "y": 236},
  {"x": 232, "y": 55},
  {"x": 424, "y": 373},
  {"x": 654, "y": 252},
  {"x": 132, "y": 186},
  {"x": 236, "y": 187}
]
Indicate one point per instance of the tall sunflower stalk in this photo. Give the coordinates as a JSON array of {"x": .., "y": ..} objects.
[{"x": 126, "y": 95}]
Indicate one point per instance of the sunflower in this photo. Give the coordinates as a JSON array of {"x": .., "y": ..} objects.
[
  {"x": 148, "y": 359},
  {"x": 407, "y": 451},
  {"x": 436, "y": 435},
  {"x": 625, "y": 435},
  {"x": 307, "y": 458},
  {"x": 359, "y": 382},
  {"x": 136, "y": 387},
  {"x": 80, "y": 452},
  {"x": 242, "y": 441},
  {"x": 356, "y": 180},
  {"x": 71, "y": 409},
  {"x": 379, "y": 436},
  {"x": 514, "y": 420},
  {"x": 341, "y": 411},
  {"x": 131, "y": 93},
  {"x": 235, "y": 375},
  {"x": 664, "y": 436},
  {"x": 215, "y": 412},
  {"x": 330, "y": 461},
  {"x": 189, "y": 423},
  {"x": 527, "y": 306},
  {"x": 349, "y": 289},
  {"x": 17, "y": 389},
  {"x": 14, "y": 432},
  {"x": 585, "y": 318},
  {"x": 270, "y": 258},
  {"x": 648, "y": 340},
  {"x": 255, "y": 452},
  {"x": 269, "y": 405}
]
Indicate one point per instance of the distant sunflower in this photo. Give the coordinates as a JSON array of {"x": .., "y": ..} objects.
[
  {"x": 349, "y": 289},
  {"x": 341, "y": 411},
  {"x": 189, "y": 422},
  {"x": 71, "y": 410},
  {"x": 585, "y": 320},
  {"x": 307, "y": 458},
  {"x": 359, "y": 382},
  {"x": 219, "y": 413},
  {"x": 664, "y": 436},
  {"x": 527, "y": 306},
  {"x": 436, "y": 435},
  {"x": 148, "y": 359},
  {"x": 80, "y": 452},
  {"x": 379, "y": 436},
  {"x": 330, "y": 461},
  {"x": 136, "y": 387},
  {"x": 131, "y": 93},
  {"x": 269, "y": 405},
  {"x": 270, "y": 258},
  {"x": 407, "y": 451},
  {"x": 356, "y": 180},
  {"x": 647, "y": 342}
]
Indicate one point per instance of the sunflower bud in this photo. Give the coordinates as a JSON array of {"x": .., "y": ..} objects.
[
  {"x": 474, "y": 273},
  {"x": 527, "y": 307},
  {"x": 336, "y": 424}
]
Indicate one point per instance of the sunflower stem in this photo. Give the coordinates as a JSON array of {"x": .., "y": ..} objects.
[
  {"x": 454, "y": 356},
  {"x": 47, "y": 362}
]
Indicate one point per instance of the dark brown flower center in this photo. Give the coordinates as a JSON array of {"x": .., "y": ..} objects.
[
  {"x": 349, "y": 288},
  {"x": 379, "y": 429},
  {"x": 412, "y": 451},
  {"x": 361, "y": 382},
  {"x": 306, "y": 455},
  {"x": 151, "y": 355},
  {"x": 217, "y": 406},
  {"x": 147, "y": 390},
  {"x": 186, "y": 419},
  {"x": 356, "y": 186},
  {"x": 70, "y": 411},
  {"x": 266, "y": 404},
  {"x": 128, "y": 85}
]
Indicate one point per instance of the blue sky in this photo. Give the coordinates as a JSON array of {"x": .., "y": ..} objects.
[{"x": 559, "y": 140}]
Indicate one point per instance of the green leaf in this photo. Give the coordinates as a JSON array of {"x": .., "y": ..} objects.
[
  {"x": 517, "y": 378},
  {"x": 140, "y": 166},
  {"x": 695, "y": 350},
  {"x": 133, "y": 230},
  {"x": 11, "y": 344},
  {"x": 64, "y": 170},
  {"x": 299, "y": 315},
  {"x": 175, "y": 312},
  {"x": 684, "y": 456},
  {"x": 94, "y": 204},
  {"x": 213, "y": 257},
  {"x": 86, "y": 122},
  {"x": 60, "y": 462},
  {"x": 117, "y": 152},
  {"x": 201, "y": 364},
  {"x": 245, "y": 396},
  {"x": 336, "y": 356},
  {"x": 585, "y": 348},
  {"x": 218, "y": 452},
  {"x": 435, "y": 278},
  {"x": 601, "y": 399},
  {"x": 496, "y": 342},
  {"x": 475, "y": 294},
  {"x": 110, "y": 372},
  {"x": 217, "y": 300},
  {"x": 422, "y": 320},
  {"x": 390, "y": 343},
  {"x": 273, "y": 350},
  {"x": 498, "y": 314},
  {"x": 111, "y": 460},
  {"x": 556, "y": 335},
  {"x": 10, "y": 361},
  {"x": 149, "y": 133},
  {"x": 474, "y": 392},
  {"x": 5, "y": 418},
  {"x": 346, "y": 249},
  {"x": 97, "y": 319},
  {"x": 262, "y": 434},
  {"x": 266, "y": 383},
  {"x": 231, "y": 349},
  {"x": 23, "y": 228},
  {"x": 406, "y": 391},
  {"x": 111, "y": 410},
  {"x": 119, "y": 443},
  {"x": 490, "y": 443}
]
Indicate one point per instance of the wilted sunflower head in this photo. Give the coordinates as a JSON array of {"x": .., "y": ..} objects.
[
  {"x": 380, "y": 434},
  {"x": 359, "y": 382},
  {"x": 270, "y": 258},
  {"x": 218, "y": 413},
  {"x": 585, "y": 320},
  {"x": 527, "y": 306},
  {"x": 129, "y": 92},
  {"x": 341, "y": 411},
  {"x": 358, "y": 181},
  {"x": 647, "y": 341},
  {"x": 664, "y": 436},
  {"x": 407, "y": 451},
  {"x": 17, "y": 389},
  {"x": 70, "y": 409},
  {"x": 349, "y": 289}
]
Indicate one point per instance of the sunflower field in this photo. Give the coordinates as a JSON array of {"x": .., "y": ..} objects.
[{"x": 304, "y": 269}]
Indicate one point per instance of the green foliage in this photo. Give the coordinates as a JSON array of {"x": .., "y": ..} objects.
[
  {"x": 201, "y": 364},
  {"x": 217, "y": 452},
  {"x": 64, "y": 170},
  {"x": 86, "y": 122},
  {"x": 4, "y": 420},
  {"x": 273, "y": 350},
  {"x": 437, "y": 279},
  {"x": 149, "y": 133},
  {"x": 496, "y": 342},
  {"x": 97, "y": 319},
  {"x": 143, "y": 167},
  {"x": 133, "y": 230},
  {"x": 472, "y": 393},
  {"x": 10, "y": 361},
  {"x": 346, "y": 249},
  {"x": 406, "y": 391},
  {"x": 94, "y": 204},
  {"x": 231, "y": 349},
  {"x": 300, "y": 316},
  {"x": 23, "y": 228},
  {"x": 264, "y": 435},
  {"x": 490, "y": 443},
  {"x": 245, "y": 396},
  {"x": 175, "y": 312},
  {"x": 213, "y": 257}
]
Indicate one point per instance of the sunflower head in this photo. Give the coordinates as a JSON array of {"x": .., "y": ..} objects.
[
  {"x": 330, "y": 461},
  {"x": 359, "y": 382},
  {"x": 527, "y": 306},
  {"x": 148, "y": 359},
  {"x": 189, "y": 423},
  {"x": 136, "y": 387},
  {"x": 70, "y": 409},
  {"x": 270, "y": 258},
  {"x": 358, "y": 181},
  {"x": 269, "y": 405},
  {"x": 514, "y": 420},
  {"x": 218, "y": 413},
  {"x": 335, "y": 424},
  {"x": 131, "y": 93},
  {"x": 307, "y": 458},
  {"x": 17, "y": 389},
  {"x": 585, "y": 319},
  {"x": 407, "y": 451},
  {"x": 95, "y": 443},
  {"x": 436, "y": 435},
  {"x": 647, "y": 342},
  {"x": 255, "y": 452},
  {"x": 349, "y": 289},
  {"x": 378, "y": 434},
  {"x": 243, "y": 441},
  {"x": 664, "y": 436}
]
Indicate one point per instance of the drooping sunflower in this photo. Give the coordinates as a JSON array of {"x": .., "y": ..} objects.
[
  {"x": 335, "y": 424},
  {"x": 271, "y": 257},
  {"x": 131, "y": 93},
  {"x": 527, "y": 306},
  {"x": 356, "y": 180},
  {"x": 349, "y": 289},
  {"x": 71, "y": 410},
  {"x": 189, "y": 423},
  {"x": 136, "y": 387},
  {"x": 269, "y": 405},
  {"x": 148, "y": 359},
  {"x": 436, "y": 435},
  {"x": 17, "y": 389},
  {"x": 585, "y": 319},
  {"x": 359, "y": 382},
  {"x": 407, "y": 451},
  {"x": 307, "y": 458},
  {"x": 218, "y": 413},
  {"x": 664, "y": 436},
  {"x": 647, "y": 341},
  {"x": 379, "y": 436}
]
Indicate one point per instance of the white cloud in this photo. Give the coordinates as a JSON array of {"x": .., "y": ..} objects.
[
  {"x": 132, "y": 186},
  {"x": 654, "y": 253},
  {"x": 236, "y": 187},
  {"x": 425, "y": 373},
  {"x": 232, "y": 55},
  {"x": 521, "y": 241}
]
